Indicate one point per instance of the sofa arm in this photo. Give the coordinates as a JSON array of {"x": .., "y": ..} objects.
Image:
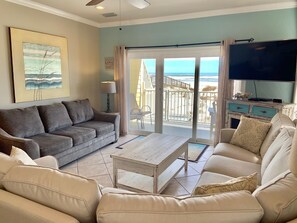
[
  {"x": 28, "y": 145},
  {"x": 226, "y": 135},
  {"x": 14, "y": 208},
  {"x": 230, "y": 207},
  {"x": 109, "y": 117},
  {"x": 47, "y": 161}
]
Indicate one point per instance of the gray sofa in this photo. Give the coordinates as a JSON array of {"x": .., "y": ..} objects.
[{"x": 67, "y": 130}]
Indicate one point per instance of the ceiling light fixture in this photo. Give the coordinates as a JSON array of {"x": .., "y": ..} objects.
[
  {"x": 141, "y": 4},
  {"x": 99, "y": 7}
]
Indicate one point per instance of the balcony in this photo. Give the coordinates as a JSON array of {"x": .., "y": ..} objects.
[{"x": 178, "y": 112}]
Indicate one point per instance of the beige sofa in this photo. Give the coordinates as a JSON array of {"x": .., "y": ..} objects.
[{"x": 38, "y": 194}]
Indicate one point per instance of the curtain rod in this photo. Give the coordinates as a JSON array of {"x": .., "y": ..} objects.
[{"x": 186, "y": 44}]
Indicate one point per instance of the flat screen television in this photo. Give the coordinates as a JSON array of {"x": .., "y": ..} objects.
[{"x": 269, "y": 61}]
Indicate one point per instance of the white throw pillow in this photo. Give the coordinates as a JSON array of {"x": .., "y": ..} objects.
[{"x": 22, "y": 156}]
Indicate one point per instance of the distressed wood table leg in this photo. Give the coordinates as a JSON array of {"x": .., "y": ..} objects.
[
  {"x": 186, "y": 157},
  {"x": 115, "y": 174},
  {"x": 155, "y": 183}
]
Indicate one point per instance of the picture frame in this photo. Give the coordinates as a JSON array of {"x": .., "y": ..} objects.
[{"x": 39, "y": 65}]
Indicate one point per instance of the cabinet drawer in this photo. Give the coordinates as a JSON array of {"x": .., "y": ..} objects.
[
  {"x": 242, "y": 108},
  {"x": 264, "y": 111}
]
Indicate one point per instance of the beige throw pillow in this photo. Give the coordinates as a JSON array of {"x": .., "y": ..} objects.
[
  {"x": 21, "y": 155},
  {"x": 240, "y": 183},
  {"x": 250, "y": 134}
]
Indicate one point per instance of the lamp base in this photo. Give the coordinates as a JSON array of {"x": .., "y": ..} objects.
[{"x": 108, "y": 110}]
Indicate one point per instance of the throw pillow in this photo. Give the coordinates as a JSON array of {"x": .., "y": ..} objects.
[
  {"x": 250, "y": 134},
  {"x": 240, "y": 183},
  {"x": 21, "y": 155}
]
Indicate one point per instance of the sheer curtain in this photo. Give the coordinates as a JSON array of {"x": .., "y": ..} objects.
[
  {"x": 225, "y": 90},
  {"x": 120, "y": 77}
]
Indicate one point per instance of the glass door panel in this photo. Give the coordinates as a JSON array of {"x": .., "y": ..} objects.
[
  {"x": 178, "y": 95},
  {"x": 207, "y": 97},
  {"x": 142, "y": 95}
]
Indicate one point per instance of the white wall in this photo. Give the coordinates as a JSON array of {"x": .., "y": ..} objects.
[{"x": 83, "y": 53}]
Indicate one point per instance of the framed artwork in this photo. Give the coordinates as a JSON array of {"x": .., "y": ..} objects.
[{"x": 39, "y": 64}]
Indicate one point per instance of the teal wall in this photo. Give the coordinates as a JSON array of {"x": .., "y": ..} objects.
[{"x": 262, "y": 26}]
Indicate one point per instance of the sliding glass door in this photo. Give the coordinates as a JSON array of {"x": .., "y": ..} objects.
[{"x": 174, "y": 91}]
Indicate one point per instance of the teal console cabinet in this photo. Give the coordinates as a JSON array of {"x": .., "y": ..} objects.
[{"x": 259, "y": 110}]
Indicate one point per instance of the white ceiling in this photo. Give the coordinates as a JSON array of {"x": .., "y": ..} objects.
[{"x": 158, "y": 11}]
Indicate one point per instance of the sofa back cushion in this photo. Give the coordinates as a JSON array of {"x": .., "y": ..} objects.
[
  {"x": 79, "y": 110},
  {"x": 276, "y": 159},
  {"x": 6, "y": 162},
  {"x": 278, "y": 198},
  {"x": 70, "y": 194},
  {"x": 293, "y": 155},
  {"x": 277, "y": 123},
  {"x": 230, "y": 207},
  {"x": 54, "y": 116},
  {"x": 21, "y": 122}
]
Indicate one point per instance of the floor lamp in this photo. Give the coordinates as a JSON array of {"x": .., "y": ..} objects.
[{"x": 108, "y": 87}]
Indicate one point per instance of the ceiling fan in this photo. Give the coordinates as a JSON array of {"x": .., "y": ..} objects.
[{"x": 141, "y": 4}]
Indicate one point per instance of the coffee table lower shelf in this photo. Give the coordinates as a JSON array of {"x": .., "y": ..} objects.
[{"x": 142, "y": 183}]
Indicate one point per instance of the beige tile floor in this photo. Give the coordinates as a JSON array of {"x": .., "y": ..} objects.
[{"x": 98, "y": 166}]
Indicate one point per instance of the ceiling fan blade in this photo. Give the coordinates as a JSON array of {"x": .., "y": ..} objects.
[
  {"x": 141, "y": 4},
  {"x": 94, "y": 2}
]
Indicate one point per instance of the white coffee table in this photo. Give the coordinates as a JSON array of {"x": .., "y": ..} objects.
[{"x": 150, "y": 164}]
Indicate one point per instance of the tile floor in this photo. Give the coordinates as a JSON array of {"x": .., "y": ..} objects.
[{"x": 98, "y": 166}]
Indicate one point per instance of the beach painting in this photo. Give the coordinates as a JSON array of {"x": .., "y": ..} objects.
[
  {"x": 39, "y": 65},
  {"x": 42, "y": 65}
]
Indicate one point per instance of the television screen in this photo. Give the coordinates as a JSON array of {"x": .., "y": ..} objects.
[{"x": 270, "y": 61}]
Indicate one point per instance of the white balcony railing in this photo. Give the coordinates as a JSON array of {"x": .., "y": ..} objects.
[{"x": 178, "y": 105}]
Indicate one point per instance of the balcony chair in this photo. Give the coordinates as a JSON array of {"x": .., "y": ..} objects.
[
  {"x": 138, "y": 113},
  {"x": 212, "y": 112}
]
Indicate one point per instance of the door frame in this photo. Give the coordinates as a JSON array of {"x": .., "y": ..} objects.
[{"x": 160, "y": 54}]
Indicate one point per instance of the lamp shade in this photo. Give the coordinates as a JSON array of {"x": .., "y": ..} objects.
[{"x": 108, "y": 87}]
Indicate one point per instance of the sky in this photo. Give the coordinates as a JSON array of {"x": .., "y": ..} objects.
[{"x": 208, "y": 65}]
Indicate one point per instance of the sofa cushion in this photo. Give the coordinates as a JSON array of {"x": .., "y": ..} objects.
[
  {"x": 21, "y": 122},
  {"x": 50, "y": 144},
  {"x": 21, "y": 155},
  {"x": 79, "y": 110},
  {"x": 79, "y": 135},
  {"x": 277, "y": 123},
  {"x": 211, "y": 177},
  {"x": 250, "y": 134},
  {"x": 236, "y": 152},
  {"x": 229, "y": 207},
  {"x": 54, "y": 116},
  {"x": 71, "y": 194},
  {"x": 278, "y": 198},
  {"x": 232, "y": 167},
  {"x": 6, "y": 162},
  {"x": 101, "y": 128},
  {"x": 240, "y": 183},
  {"x": 276, "y": 159},
  {"x": 293, "y": 155},
  {"x": 14, "y": 209}
]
